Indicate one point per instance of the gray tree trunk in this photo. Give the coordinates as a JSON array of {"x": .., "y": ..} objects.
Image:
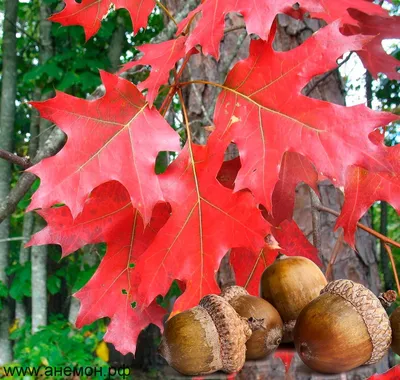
[
  {"x": 39, "y": 253},
  {"x": 116, "y": 45},
  {"x": 29, "y": 220},
  {"x": 90, "y": 257},
  {"x": 7, "y": 120}
]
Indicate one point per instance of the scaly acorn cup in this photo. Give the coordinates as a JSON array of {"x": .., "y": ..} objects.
[
  {"x": 345, "y": 327},
  {"x": 289, "y": 284},
  {"x": 207, "y": 338},
  {"x": 266, "y": 339}
]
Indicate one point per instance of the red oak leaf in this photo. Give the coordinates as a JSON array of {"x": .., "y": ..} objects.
[
  {"x": 263, "y": 92},
  {"x": 331, "y": 11},
  {"x": 364, "y": 187},
  {"x": 108, "y": 216},
  {"x": 295, "y": 168},
  {"x": 162, "y": 58},
  {"x": 90, "y": 13},
  {"x": 373, "y": 56},
  {"x": 249, "y": 265},
  {"x": 392, "y": 374},
  {"x": 116, "y": 137},
  {"x": 207, "y": 220},
  {"x": 259, "y": 16}
]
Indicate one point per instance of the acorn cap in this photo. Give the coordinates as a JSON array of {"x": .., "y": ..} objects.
[
  {"x": 370, "y": 309},
  {"x": 233, "y": 331},
  {"x": 231, "y": 292}
]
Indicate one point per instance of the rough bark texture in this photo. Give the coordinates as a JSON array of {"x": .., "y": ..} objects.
[
  {"x": 361, "y": 266},
  {"x": 7, "y": 119},
  {"x": 116, "y": 45}
]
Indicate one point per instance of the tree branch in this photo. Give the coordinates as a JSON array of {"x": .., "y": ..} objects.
[
  {"x": 326, "y": 75},
  {"x": 53, "y": 144},
  {"x": 24, "y": 162},
  {"x": 385, "y": 239},
  {"x": 396, "y": 277},
  {"x": 334, "y": 255},
  {"x": 316, "y": 220}
]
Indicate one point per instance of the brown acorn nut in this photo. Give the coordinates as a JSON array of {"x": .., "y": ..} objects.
[
  {"x": 345, "y": 327},
  {"x": 265, "y": 339},
  {"x": 207, "y": 338},
  {"x": 395, "y": 324},
  {"x": 289, "y": 284}
]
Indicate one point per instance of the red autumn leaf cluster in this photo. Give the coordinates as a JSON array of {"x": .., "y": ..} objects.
[{"x": 178, "y": 225}]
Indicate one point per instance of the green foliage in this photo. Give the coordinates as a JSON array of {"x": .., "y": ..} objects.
[
  {"x": 58, "y": 345},
  {"x": 21, "y": 284},
  {"x": 3, "y": 293},
  {"x": 173, "y": 293}
]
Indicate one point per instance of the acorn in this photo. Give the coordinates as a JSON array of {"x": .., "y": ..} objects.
[
  {"x": 207, "y": 338},
  {"x": 395, "y": 325},
  {"x": 265, "y": 339},
  {"x": 289, "y": 284},
  {"x": 345, "y": 327}
]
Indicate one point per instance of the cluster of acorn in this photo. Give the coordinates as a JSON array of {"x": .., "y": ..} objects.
[{"x": 335, "y": 326}]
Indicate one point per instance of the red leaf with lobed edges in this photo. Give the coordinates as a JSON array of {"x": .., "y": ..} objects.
[
  {"x": 207, "y": 220},
  {"x": 249, "y": 265},
  {"x": 373, "y": 56},
  {"x": 162, "y": 58},
  {"x": 116, "y": 137},
  {"x": 259, "y": 16},
  {"x": 264, "y": 93},
  {"x": 108, "y": 216},
  {"x": 90, "y": 13},
  {"x": 334, "y": 10},
  {"x": 365, "y": 187}
]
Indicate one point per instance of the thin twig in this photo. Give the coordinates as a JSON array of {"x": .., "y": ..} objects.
[
  {"x": 335, "y": 253},
  {"x": 166, "y": 10},
  {"x": 390, "y": 254},
  {"x": 170, "y": 96},
  {"x": 326, "y": 75},
  {"x": 363, "y": 227},
  {"x": 24, "y": 32},
  {"x": 24, "y": 162},
  {"x": 316, "y": 222},
  {"x": 12, "y": 239}
]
